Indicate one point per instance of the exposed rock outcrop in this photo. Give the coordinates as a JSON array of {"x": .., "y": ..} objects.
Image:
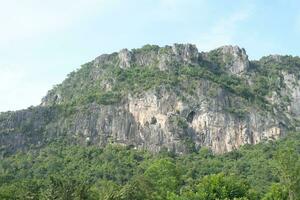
[
  {"x": 201, "y": 111},
  {"x": 234, "y": 59},
  {"x": 125, "y": 57}
]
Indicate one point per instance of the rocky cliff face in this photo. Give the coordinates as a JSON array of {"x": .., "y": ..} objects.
[{"x": 169, "y": 97}]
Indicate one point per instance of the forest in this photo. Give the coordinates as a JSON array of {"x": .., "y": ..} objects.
[{"x": 268, "y": 171}]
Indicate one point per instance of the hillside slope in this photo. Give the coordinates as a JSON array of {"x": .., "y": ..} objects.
[
  {"x": 171, "y": 97},
  {"x": 64, "y": 171}
]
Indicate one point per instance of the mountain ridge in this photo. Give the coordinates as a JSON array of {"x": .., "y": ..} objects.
[{"x": 170, "y": 97}]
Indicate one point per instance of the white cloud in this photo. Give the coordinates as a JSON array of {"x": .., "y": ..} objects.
[
  {"x": 224, "y": 31},
  {"x": 28, "y": 19}
]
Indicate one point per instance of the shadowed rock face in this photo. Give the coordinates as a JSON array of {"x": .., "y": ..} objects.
[{"x": 98, "y": 104}]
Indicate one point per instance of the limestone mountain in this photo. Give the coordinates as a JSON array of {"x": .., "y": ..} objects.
[{"x": 171, "y": 97}]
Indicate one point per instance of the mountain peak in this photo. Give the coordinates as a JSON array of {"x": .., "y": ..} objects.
[
  {"x": 234, "y": 58},
  {"x": 164, "y": 97},
  {"x": 150, "y": 55}
]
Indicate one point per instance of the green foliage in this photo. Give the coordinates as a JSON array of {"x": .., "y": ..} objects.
[
  {"x": 241, "y": 113},
  {"x": 85, "y": 86},
  {"x": 289, "y": 169},
  {"x": 64, "y": 171},
  {"x": 65, "y": 188},
  {"x": 108, "y": 98},
  {"x": 276, "y": 192},
  {"x": 137, "y": 79},
  {"x": 179, "y": 121},
  {"x": 147, "y": 48},
  {"x": 103, "y": 190},
  {"x": 164, "y": 176},
  {"x": 216, "y": 57},
  {"x": 139, "y": 188},
  {"x": 289, "y": 64},
  {"x": 220, "y": 186}
]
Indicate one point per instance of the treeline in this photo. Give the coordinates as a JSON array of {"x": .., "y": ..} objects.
[{"x": 269, "y": 171}]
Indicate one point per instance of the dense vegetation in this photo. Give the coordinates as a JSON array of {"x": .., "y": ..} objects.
[
  {"x": 183, "y": 79},
  {"x": 109, "y": 83},
  {"x": 269, "y": 171},
  {"x": 63, "y": 170}
]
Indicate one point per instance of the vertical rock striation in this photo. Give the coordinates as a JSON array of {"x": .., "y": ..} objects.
[{"x": 185, "y": 100}]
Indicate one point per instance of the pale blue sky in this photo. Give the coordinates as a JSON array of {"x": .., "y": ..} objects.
[{"x": 42, "y": 41}]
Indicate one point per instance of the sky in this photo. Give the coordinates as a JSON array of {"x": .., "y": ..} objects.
[{"x": 42, "y": 41}]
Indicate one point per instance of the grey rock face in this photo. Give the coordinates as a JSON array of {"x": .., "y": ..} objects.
[
  {"x": 293, "y": 92},
  {"x": 187, "y": 53},
  {"x": 164, "y": 58},
  {"x": 239, "y": 63},
  {"x": 235, "y": 59},
  {"x": 125, "y": 57},
  {"x": 105, "y": 59},
  {"x": 159, "y": 117},
  {"x": 153, "y": 121},
  {"x": 19, "y": 130}
]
